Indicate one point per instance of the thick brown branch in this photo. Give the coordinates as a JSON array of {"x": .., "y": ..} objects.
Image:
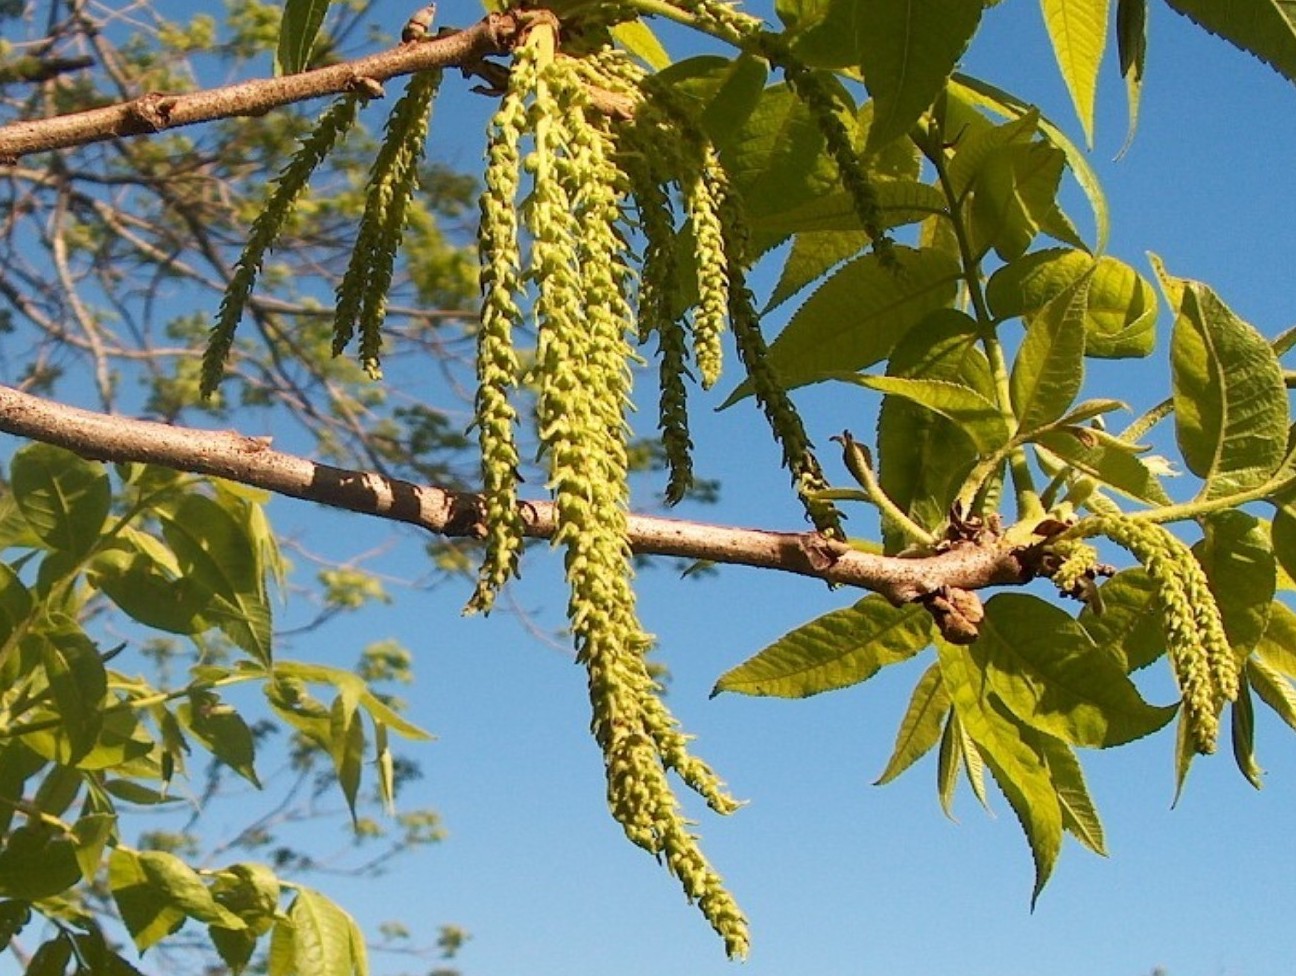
[
  {"x": 252, "y": 461},
  {"x": 156, "y": 111}
]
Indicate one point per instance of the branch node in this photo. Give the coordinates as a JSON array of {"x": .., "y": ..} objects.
[{"x": 958, "y": 613}]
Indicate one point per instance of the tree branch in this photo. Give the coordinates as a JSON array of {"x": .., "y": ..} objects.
[
  {"x": 155, "y": 111},
  {"x": 941, "y": 582}
]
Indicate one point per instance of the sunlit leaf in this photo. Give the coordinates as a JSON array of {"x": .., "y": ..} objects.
[
  {"x": 907, "y": 51},
  {"x": 640, "y": 40},
  {"x": 1013, "y": 754},
  {"x": 1015, "y": 191},
  {"x": 923, "y": 456},
  {"x": 1229, "y": 398},
  {"x": 1274, "y": 690},
  {"x": 1079, "y": 815},
  {"x": 1277, "y": 648},
  {"x": 973, "y": 413},
  {"x": 841, "y": 648},
  {"x": 920, "y": 729},
  {"x": 978, "y": 92},
  {"x": 322, "y": 940},
  {"x": 1078, "y": 31},
  {"x": 222, "y": 731},
  {"x": 1129, "y": 626},
  {"x": 1045, "y": 669},
  {"x": 1239, "y": 564},
  {"x": 853, "y": 319},
  {"x": 1049, "y": 368},
  {"x": 1105, "y": 462}
]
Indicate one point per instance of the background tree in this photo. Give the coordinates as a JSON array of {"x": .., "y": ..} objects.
[{"x": 988, "y": 469}]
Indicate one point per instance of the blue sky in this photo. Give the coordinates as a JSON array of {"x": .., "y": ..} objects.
[{"x": 841, "y": 878}]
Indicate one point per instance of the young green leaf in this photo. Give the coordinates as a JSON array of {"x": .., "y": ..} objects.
[
  {"x": 839, "y": 649},
  {"x": 1129, "y": 626},
  {"x": 1015, "y": 193},
  {"x": 1242, "y": 725},
  {"x": 323, "y": 937},
  {"x": 1013, "y": 754},
  {"x": 640, "y": 40},
  {"x": 1120, "y": 318},
  {"x": 978, "y": 417},
  {"x": 1079, "y": 815},
  {"x": 1131, "y": 45},
  {"x": 297, "y": 33},
  {"x": 853, "y": 319},
  {"x": 1078, "y": 30},
  {"x": 923, "y": 456},
  {"x": 920, "y": 729},
  {"x": 37, "y": 861},
  {"x": 1229, "y": 398},
  {"x": 948, "y": 762},
  {"x": 222, "y": 732},
  {"x": 907, "y": 52},
  {"x": 1240, "y": 566},
  {"x": 146, "y": 908},
  {"x": 346, "y": 747},
  {"x": 1048, "y": 673},
  {"x": 1277, "y": 648},
  {"x": 1049, "y": 368},
  {"x": 1274, "y": 690},
  {"x": 974, "y": 91},
  {"x": 78, "y": 684},
  {"x": 64, "y": 498},
  {"x": 1108, "y": 463}
]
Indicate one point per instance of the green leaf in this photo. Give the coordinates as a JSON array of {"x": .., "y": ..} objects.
[
  {"x": 853, "y": 319},
  {"x": 141, "y": 588},
  {"x": 1045, "y": 669},
  {"x": 297, "y": 33},
  {"x": 134, "y": 792},
  {"x": 907, "y": 51},
  {"x": 901, "y": 201},
  {"x": 1079, "y": 815},
  {"x": 222, "y": 732},
  {"x": 1078, "y": 30},
  {"x": 837, "y": 650},
  {"x": 78, "y": 684},
  {"x": 1120, "y": 319},
  {"x": 1242, "y": 725},
  {"x": 1049, "y": 368},
  {"x": 1106, "y": 461},
  {"x": 1129, "y": 626},
  {"x": 813, "y": 255},
  {"x": 974, "y": 91},
  {"x": 64, "y": 498},
  {"x": 1240, "y": 566},
  {"x": 1016, "y": 190},
  {"x": 978, "y": 417},
  {"x": 1277, "y": 648},
  {"x": 93, "y": 832},
  {"x": 920, "y": 729},
  {"x": 156, "y": 891},
  {"x": 353, "y": 685},
  {"x": 1274, "y": 690},
  {"x": 37, "y": 862},
  {"x": 216, "y": 552},
  {"x": 15, "y": 603},
  {"x": 1013, "y": 754},
  {"x": 980, "y": 144},
  {"x": 1265, "y": 28},
  {"x": 1284, "y": 539},
  {"x": 1229, "y": 398},
  {"x": 1131, "y": 45},
  {"x": 948, "y": 762},
  {"x": 346, "y": 747},
  {"x": 638, "y": 38},
  {"x": 324, "y": 939}
]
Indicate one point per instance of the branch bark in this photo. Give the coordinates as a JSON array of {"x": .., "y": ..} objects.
[
  {"x": 940, "y": 582},
  {"x": 156, "y": 111}
]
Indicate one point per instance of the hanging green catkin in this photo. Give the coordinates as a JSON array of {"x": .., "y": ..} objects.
[
  {"x": 781, "y": 414},
  {"x": 578, "y": 260},
  {"x": 702, "y": 194},
  {"x": 497, "y": 363},
  {"x": 289, "y": 186},
  {"x": 362, "y": 294},
  {"x": 1204, "y": 665}
]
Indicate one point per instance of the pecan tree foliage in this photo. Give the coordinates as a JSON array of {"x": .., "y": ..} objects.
[{"x": 915, "y": 213}]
